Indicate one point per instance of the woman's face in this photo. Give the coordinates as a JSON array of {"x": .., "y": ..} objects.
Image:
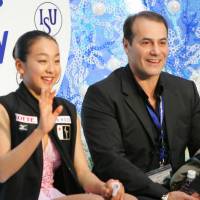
[{"x": 42, "y": 67}]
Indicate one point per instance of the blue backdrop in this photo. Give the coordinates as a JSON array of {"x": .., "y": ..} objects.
[{"x": 96, "y": 41}]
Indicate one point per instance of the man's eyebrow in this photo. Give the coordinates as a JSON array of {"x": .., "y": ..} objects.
[
  {"x": 146, "y": 38},
  {"x": 165, "y": 38}
]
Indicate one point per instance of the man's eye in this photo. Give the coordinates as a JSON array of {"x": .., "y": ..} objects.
[
  {"x": 163, "y": 43},
  {"x": 57, "y": 61},
  {"x": 145, "y": 42}
]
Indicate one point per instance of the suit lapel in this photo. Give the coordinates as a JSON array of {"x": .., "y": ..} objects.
[
  {"x": 136, "y": 102},
  {"x": 170, "y": 106}
]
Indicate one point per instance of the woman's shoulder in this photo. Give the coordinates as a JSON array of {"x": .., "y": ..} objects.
[
  {"x": 65, "y": 103},
  {"x": 3, "y": 111},
  {"x": 8, "y": 101},
  {"x": 7, "y": 97}
]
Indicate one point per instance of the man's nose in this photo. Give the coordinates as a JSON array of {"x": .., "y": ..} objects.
[{"x": 155, "y": 49}]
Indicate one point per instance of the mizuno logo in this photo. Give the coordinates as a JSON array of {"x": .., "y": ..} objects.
[{"x": 23, "y": 127}]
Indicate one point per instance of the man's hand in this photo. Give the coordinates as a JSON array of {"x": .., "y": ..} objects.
[
  {"x": 196, "y": 195},
  {"x": 178, "y": 195}
]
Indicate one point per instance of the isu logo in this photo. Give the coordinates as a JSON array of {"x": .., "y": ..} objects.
[{"x": 48, "y": 18}]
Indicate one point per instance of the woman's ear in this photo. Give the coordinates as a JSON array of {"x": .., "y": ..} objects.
[{"x": 20, "y": 67}]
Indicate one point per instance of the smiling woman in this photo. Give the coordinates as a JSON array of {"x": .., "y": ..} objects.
[
  {"x": 38, "y": 66},
  {"x": 40, "y": 139}
]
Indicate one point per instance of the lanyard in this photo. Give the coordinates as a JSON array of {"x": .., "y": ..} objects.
[{"x": 159, "y": 124}]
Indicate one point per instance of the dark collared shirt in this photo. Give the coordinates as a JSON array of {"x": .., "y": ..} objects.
[{"x": 158, "y": 92}]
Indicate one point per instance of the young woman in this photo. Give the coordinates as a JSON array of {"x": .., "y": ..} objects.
[{"x": 41, "y": 155}]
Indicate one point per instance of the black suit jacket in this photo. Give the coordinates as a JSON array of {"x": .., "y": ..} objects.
[{"x": 120, "y": 135}]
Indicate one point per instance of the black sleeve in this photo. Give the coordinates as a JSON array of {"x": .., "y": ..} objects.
[
  {"x": 105, "y": 141},
  {"x": 194, "y": 143}
]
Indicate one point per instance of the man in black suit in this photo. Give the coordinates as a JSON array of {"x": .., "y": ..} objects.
[{"x": 139, "y": 119}]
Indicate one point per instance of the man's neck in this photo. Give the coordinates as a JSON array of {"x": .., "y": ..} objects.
[{"x": 148, "y": 85}]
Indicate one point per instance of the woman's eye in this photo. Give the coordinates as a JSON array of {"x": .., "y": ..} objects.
[{"x": 42, "y": 61}]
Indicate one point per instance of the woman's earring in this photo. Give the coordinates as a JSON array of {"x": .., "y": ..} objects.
[{"x": 18, "y": 77}]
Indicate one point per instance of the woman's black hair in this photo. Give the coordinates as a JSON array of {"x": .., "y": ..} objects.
[{"x": 23, "y": 44}]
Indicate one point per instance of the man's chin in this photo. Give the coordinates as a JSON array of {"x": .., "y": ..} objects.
[
  {"x": 153, "y": 73},
  {"x": 147, "y": 75}
]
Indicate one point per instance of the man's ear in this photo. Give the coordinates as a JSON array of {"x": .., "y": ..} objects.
[
  {"x": 126, "y": 45},
  {"x": 20, "y": 67}
]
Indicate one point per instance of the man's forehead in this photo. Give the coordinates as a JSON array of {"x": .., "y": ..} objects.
[
  {"x": 142, "y": 22},
  {"x": 149, "y": 28}
]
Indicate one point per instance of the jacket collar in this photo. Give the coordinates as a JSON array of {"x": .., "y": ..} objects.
[{"x": 28, "y": 98}]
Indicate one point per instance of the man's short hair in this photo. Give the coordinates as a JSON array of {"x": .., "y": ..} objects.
[{"x": 128, "y": 24}]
